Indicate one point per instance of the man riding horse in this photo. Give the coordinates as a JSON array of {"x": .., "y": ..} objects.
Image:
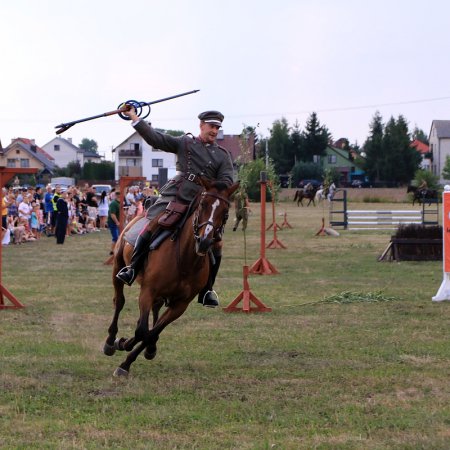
[{"x": 196, "y": 156}]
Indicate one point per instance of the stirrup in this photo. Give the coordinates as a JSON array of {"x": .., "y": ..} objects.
[
  {"x": 210, "y": 299},
  {"x": 126, "y": 275}
]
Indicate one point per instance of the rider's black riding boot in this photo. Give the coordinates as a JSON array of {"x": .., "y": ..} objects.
[
  {"x": 129, "y": 273},
  {"x": 207, "y": 296}
]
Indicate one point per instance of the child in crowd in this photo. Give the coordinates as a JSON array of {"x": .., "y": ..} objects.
[{"x": 34, "y": 221}]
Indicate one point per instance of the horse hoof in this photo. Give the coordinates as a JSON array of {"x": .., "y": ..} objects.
[
  {"x": 109, "y": 350},
  {"x": 120, "y": 373},
  {"x": 118, "y": 344},
  {"x": 149, "y": 355}
]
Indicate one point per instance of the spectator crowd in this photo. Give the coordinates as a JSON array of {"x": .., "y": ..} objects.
[{"x": 30, "y": 213}]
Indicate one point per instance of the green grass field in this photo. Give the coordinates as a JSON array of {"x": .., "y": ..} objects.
[{"x": 354, "y": 354}]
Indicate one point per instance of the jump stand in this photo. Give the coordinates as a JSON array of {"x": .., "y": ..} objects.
[
  {"x": 274, "y": 223},
  {"x": 285, "y": 223},
  {"x": 262, "y": 266},
  {"x": 275, "y": 242},
  {"x": 6, "y": 173},
  {"x": 247, "y": 298},
  {"x": 124, "y": 182},
  {"x": 322, "y": 232}
]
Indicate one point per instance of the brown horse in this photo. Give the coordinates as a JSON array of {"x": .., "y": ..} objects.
[
  {"x": 422, "y": 195},
  {"x": 173, "y": 275},
  {"x": 302, "y": 193}
]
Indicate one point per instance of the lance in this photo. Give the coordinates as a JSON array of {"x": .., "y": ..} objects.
[{"x": 123, "y": 107}]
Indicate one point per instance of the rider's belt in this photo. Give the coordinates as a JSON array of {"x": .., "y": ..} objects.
[{"x": 189, "y": 176}]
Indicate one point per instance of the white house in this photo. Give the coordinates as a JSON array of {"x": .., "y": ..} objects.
[
  {"x": 135, "y": 158},
  {"x": 64, "y": 152},
  {"x": 439, "y": 141}
]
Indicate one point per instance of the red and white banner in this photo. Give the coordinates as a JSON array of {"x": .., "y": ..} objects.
[{"x": 444, "y": 291}]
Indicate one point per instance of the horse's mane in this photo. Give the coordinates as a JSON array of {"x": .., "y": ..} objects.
[{"x": 219, "y": 185}]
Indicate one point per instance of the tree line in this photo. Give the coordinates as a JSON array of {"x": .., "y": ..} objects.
[{"x": 386, "y": 155}]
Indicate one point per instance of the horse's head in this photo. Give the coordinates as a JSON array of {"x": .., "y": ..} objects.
[{"x": 211, "y": 214}]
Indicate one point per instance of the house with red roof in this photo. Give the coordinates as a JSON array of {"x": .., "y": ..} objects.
[
  {"x": 424, "y": 150},
  {"x": 24, "y": 153}
]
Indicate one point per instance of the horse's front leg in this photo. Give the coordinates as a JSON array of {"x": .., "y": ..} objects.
[
  {"x": 145, "y": 305},
  {"x": 119, "y": 301}
]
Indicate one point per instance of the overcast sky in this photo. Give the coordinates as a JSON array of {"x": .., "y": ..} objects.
[{"x": 255, "y": 61}]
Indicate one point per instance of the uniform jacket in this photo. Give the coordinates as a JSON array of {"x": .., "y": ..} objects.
[{"x": 193, "y": 158}]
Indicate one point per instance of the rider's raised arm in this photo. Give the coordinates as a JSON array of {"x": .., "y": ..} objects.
[{"x": 156, "y": 139}]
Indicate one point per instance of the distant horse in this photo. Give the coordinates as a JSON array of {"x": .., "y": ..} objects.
[
  {"x": 421, "y": 195},
  {"x": 302, "y": 193},
  {"x": 173, "y": 275}
]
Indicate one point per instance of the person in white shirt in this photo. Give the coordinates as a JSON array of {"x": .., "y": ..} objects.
[{"x": 25, "y": 208}]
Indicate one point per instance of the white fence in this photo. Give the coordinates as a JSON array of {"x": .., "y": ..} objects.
[{"x": 378, "y": 220}]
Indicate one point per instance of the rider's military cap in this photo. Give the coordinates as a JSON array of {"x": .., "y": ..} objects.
[{"x": 212, "y": 117}]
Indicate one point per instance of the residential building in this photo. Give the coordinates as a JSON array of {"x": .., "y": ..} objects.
[
  {"x": 439, "y": 141},
  {"x": 135, "y": 158},
  {"x": 24, "y": 153},
  {"x": 63, "y": 151},
  {"x": 424, "y": 150},
  {"x": 343, "y": 162}
]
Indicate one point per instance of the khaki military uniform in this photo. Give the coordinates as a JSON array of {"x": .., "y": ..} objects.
[{"x": 194, "y": 158}]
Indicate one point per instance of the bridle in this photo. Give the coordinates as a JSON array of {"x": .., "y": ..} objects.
[{"x": 217, "y": 230}]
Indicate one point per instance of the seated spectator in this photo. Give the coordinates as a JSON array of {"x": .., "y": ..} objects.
[{"x": 17, "y": 230}]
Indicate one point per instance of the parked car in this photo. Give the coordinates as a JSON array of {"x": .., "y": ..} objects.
[
  {"x": 360, "y": 184},
  {"x": 99, "y": 188}
]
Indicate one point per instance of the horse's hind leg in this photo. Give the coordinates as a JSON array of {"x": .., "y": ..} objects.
[
  {"x": 150, "y": 351},
  {"x": 172, "y": 313},
  {"x": 119, "y": 301}
]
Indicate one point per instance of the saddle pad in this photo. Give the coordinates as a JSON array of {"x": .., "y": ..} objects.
[{"x": 132, "y": 234}]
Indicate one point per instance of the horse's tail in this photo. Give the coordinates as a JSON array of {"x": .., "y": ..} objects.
[{"x": 296, "y": 195}]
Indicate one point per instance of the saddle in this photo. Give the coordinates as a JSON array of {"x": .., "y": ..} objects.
[{"x": 168, "y": 223}]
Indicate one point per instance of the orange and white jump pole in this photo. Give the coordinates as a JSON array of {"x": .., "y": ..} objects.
[{"x": 444, "y": 291}]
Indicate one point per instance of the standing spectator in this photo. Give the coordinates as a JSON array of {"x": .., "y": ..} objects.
[
  {"x": 71, "y": 212},
  {"x": 37, "y": 196},
  {"x": 130, "y": 200},
  {"x": 48, "y": 209},
  {"x": 56, "y": 195},
  {"x": 61, "y": 220},
  {"x": 114, "y": 220},
  {"x": 20, "y": 196},
  {"x": 92, "y": 203},
  {"x": 12, "y": 206},
  {"x": 35, "y": 226},
  {"x": 103, "y": 207},
  {"x": 5, "y": 202}
]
